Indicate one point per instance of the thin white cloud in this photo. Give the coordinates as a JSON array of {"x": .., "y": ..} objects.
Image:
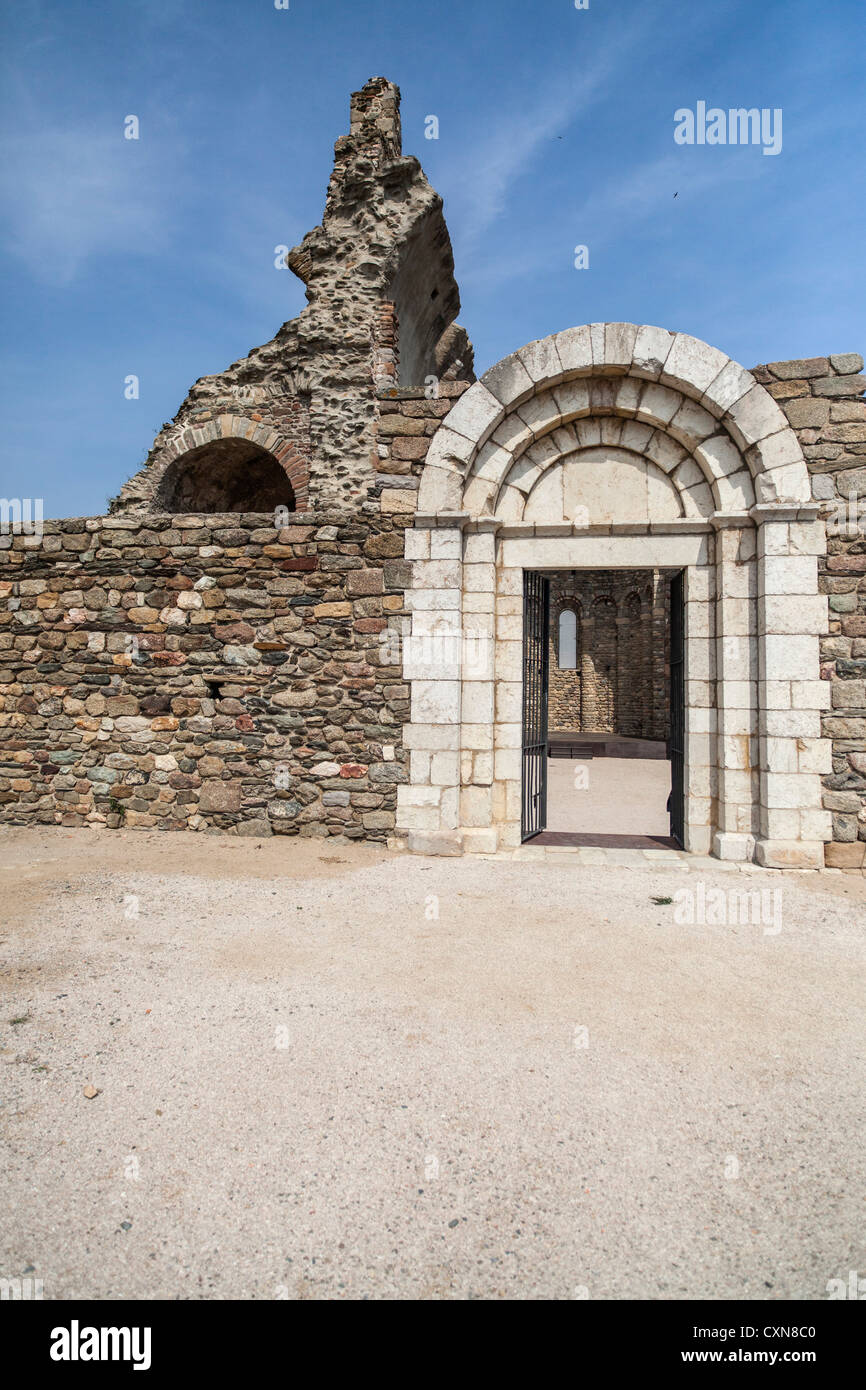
[
  {"x": 71, "y": 195},
  {"x": 483, "y": 182},
  {"x": 639, "y": 193},
  {"x": 493, "y": 159}
]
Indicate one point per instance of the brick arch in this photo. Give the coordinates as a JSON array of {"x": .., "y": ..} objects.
[
  {"x": 230, "y": 426},
  {"x": 704, "y": 417}
]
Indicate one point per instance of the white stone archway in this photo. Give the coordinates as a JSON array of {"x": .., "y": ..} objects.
[{"x": 620, "y": 446}]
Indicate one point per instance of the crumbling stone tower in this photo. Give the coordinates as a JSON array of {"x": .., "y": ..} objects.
[{"x": 294, "y": 423}]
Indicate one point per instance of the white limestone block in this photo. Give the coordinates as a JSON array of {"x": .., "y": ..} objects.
[
  {"x": 736, "y": 616},
  {"x": 477, "y": 737},
  {"x": 435, "y": 701},
  {"x": 437, "y": 574},
  {"x": 774, "y": 537},
  {"x": 479, "y": 497},
  {"x": 574, "y": 349},
  {"x": 753, "y": 417},
  {"x": 816, "y": 824},
  {"x": 541, "y": 454},
  {"x": 478, "y": 702},
  {"x": 651, "y": 349},
  {"x": 524, "y": 474},
  {"x": 418, "y": 796},
  {"x": 513, "y": 434},
  {"x": 449, "y": 449},
  {"x": 446, "y": 543},
  {"x": 698, "y": 500},
  {"x": 418, "y": 818},
  {"x": 780, "y": 823},
  {"x": 509, "y": 627},
  {"x": 476, "y": 806},
  {"x": 419, "y": 767},
  {"x": 735, "y": 493},
  {"x": 482, "y": 769},
  {"x": 788, "y": 574},
  {"x": 658, "y": 404},
  {"x": 509, "y": 701},
  {"x": 478, "y": 840},
  {"x": 815, "y": 694},
  {"x": 430, "y": 737},
  {"x": 444, "y": 770},
  {"x": 793, "y": 613},
  {"x": 509, "y": 381},
  {"x": 628, "y": 395},
  {"x": 691, "y": 424},
  {"x": 588, "y": 432},
  {"x": 815, "y": 755},
  {"x": 780, "y": 755},
  {"x": 790, "y": 790},
  {"x": 431, "y": 600},
  {"x": 692, "y": 364},
  {"x": 509, "y": 581},
  {"x": 509, "y": 661},
  {"x": 508, "y": 764},
  {"x": 775, "y": 452},
  {"x": 541, "y": 359},
  {"x": 476, "y": 414},
  {"x": 572, "y": 398},
  {"x": 667, "y": 453},
  {"x": 732, "y": 383},
  {"x": 441, "y": 489},
  {"x": 792, "y": 657},
  {"x": 450, "y": 808},
  {"x": 788, "y": 483},
  {"x": 619, "y": 341},
  {"x": 790, "y": 723},
  {"x": 635, "y": 436},
  {"x": 417, "y": 543},
  {"x": 719, "y": 456},
  {"x": 507, "y": 735},
  {"x": 596, "y": 337},
  {"x": 541, "y": 414}
]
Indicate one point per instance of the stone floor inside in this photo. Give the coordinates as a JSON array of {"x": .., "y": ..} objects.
[{"x": 613, "y": 795}]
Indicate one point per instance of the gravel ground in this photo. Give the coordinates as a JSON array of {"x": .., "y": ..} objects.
[{"x": 310, "y": 1085}]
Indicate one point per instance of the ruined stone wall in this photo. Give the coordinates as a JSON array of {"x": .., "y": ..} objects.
[
  {"x": 408, "y": 420},
  {"x": 204, "y": 673},
  {"x": 823, "y": 400},
  {"x": 619, "y": 685},
  {"x": 382, "y": 300}
]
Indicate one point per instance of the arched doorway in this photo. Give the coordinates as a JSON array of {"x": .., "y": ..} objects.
[{"x": 618, "y": 446}]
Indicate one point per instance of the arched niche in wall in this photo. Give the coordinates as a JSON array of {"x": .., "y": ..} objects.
[{"x": 225, "y": 475}]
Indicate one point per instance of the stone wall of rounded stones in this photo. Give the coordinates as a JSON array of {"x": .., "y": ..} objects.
[
  {"x": 823, "y": 400},
  {"x": 408, "y": 419},
  {"x": 192, "y": 673}
]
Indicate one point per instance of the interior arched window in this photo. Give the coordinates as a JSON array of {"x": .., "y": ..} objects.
[{"x": 567, "y": 640}]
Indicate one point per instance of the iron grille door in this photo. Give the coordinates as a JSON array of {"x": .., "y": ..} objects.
[
  {"x": 677, "y": 744},
  {"x": 536, "y": 627}
]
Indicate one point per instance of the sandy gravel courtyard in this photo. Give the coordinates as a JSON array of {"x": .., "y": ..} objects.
[{"x": 324, "y": 1071}]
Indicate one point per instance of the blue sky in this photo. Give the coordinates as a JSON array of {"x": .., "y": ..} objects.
[{"x": 156, "y": 257}]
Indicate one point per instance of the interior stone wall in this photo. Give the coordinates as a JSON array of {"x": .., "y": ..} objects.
[{"x": 619, "y": 685}]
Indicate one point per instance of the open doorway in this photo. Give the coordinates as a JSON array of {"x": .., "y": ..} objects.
[{"x": 603, "y": 707}]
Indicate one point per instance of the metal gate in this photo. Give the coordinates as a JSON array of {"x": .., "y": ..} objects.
[
  {"x": 677, "y": 740},
  {"x": 536, "y": 628}
]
